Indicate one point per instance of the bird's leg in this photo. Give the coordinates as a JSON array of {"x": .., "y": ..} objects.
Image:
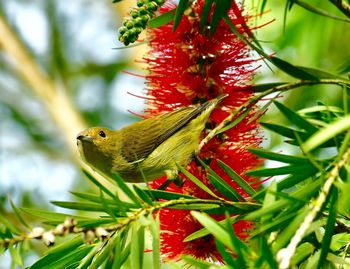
[
  {"x": 172, "y": 176},
  {"x": 178, "y": 181}
]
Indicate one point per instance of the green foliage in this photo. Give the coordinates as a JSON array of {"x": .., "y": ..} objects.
[{"x": 301, "y": 218}]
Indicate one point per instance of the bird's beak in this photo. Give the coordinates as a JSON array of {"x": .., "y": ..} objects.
[{"x": 84, "y": 138}]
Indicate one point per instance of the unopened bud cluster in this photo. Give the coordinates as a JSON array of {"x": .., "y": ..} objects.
[
  {"x": 69, "y": 226},
  {"x": 140, "y": 16},
  {"x": 48, "y": 237}
]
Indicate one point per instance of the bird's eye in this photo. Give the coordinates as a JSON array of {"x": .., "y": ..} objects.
[{"x": 102, "y": 134}]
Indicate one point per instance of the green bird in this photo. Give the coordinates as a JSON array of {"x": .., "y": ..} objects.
[{"x": 148, "y": 149}]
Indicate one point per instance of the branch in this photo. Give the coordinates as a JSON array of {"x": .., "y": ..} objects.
[
  {"x": 252, "y": 101},
  {"x": 342, "y": 6},
  {"x": 285, "y": 254},
  {"x": 70, "y": 225}
]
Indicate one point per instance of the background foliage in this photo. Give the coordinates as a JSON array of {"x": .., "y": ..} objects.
[{"x": 38, "y": 151}]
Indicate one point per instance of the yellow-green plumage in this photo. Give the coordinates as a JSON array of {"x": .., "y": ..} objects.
[{"x": 147, "y": 149}]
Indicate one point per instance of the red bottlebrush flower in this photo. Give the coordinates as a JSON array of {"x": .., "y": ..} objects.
[{"x": 188, "y": 67}]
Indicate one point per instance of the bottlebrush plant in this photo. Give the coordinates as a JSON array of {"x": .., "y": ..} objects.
[{"x": 221, "y": 215}]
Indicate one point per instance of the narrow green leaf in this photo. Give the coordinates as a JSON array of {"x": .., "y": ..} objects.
[
  {"x": 283, "y": 170},
  {"x": 227, "y": 257},
  {"x": 121, "y": 250},
  {"x": 65, "y": 247},
  {"x": 261, "y": 110},
  {"x": 221, "y": 185},
  {"x": 266, "y": 86},
  {"x": 47, "y": 215},
  {"x": 16, "y": 257},
  {"x": 303, "y": 193},
  {"x": 128, "y": 192},
  {"x": 214, "y": 228},
  {"x": 220, "y": 9},
  {"x": 225, "y": 189},
  {"x": 205, "y": 13},
  {"x": 125, "y": 253},
  {"x": 196, "y": 181},
  {"x": 344, "y": 67},
  {"x": 269, "y": 199},
  {"x": 162, "y": 19},
  {"x": 143, "y": 195},
  {"x": 290, "y": 228},
  {"x": 292, "y": 70},
  {"x": 87, "y": 260},
  {"x": 197, "y": 263},
  {"x": 98, "y": 184},
  {"x": 167, "y": 195},
  {"x": 262, "y": 6},
  {"x": 338, "y": 260},
  {"x": 97, "y": 199},
  {"x": 241, "y": 249},
  {"x": 276, "y": 224},
  {"x": 319, "y": 11},
  {"x": 103, "y": 253},
  {"x": 321, "y": 108},
  {"x": 311, "y": 262},
  {"x": 91, "y": 197},
  {"x": 246, "y": 40},
  {"x": 285, "y": 131},
  {"x": 331, "y": 220},
  {"x": 234, "y": 208},
  {"x": 11, "y": 227},
  {"x": 302, "y": 252},
  {"x": 137, "y": 246},
  {"x": 181, "y": 7},
  {"x": 204, "y": 231},
  {"x": 279, "y": 157},
  {"x": 327, "y": 133},
  {"x": 72, "y": 258},
  {"x": 295, "y": 118},
  {"x": 198, "y": 206},
  {"x": 111, "y": 212},
  {"x": 235, "y": 122},
  {"x": 339, "y": 241},
  {"x": 289, "y": 182},
  {"x": 266, "y": 253},
  {"x": 321, "y": 74},
  {"x": 154, "y": 228},
  {"x": 83, "y": 206},
  {"x": 19, "y": 216},
  {"x": 240, "y": 181},
  {"x": 295, "y": 179}
]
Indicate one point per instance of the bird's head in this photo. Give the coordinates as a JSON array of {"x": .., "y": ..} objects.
[{"x": 95, "y": 135}]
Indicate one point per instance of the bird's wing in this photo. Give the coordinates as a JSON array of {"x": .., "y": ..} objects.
[{"x": 140, "y": 139}]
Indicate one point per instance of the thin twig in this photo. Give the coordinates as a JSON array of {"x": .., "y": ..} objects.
[
  {"x": 284, "y": 255},
  {"x": 252, "y": 101}
]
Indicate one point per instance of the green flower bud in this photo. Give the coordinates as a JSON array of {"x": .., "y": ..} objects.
[
  {"x": 134, "y": 14},
  {"x": 140, "y": 3},
  {"x": 152, "y": 6},
  {"x": 122, "y": 30},
  {"x": 129, "y": 24}
]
